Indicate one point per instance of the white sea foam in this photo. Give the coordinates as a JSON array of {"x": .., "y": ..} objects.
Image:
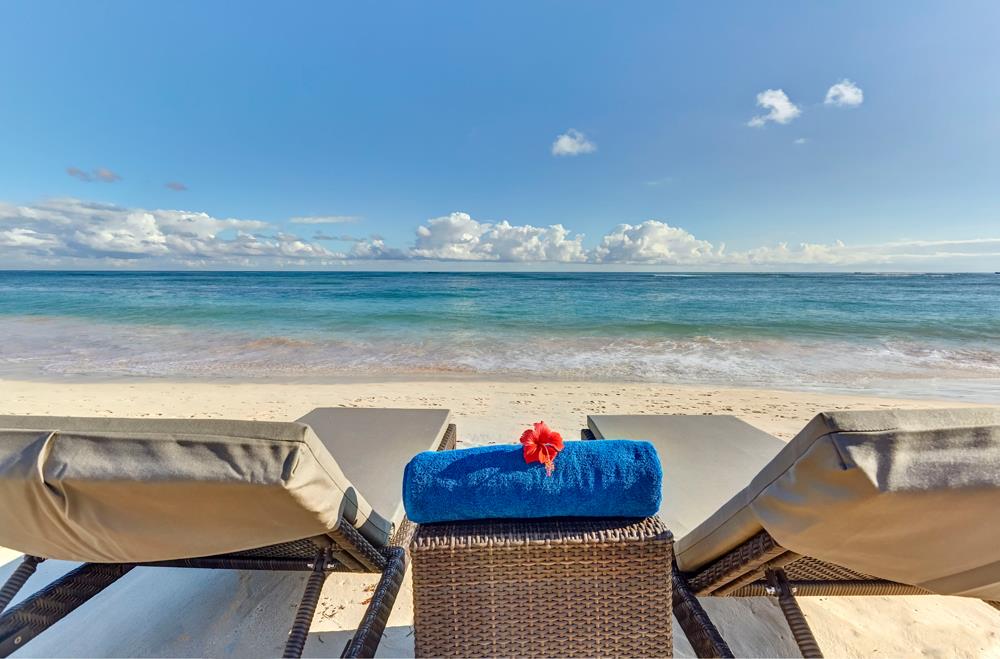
[{"x": 70, "y": 347}]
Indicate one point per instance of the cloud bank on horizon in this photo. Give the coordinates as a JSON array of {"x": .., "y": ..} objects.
[{"x": 73, "y": 233}]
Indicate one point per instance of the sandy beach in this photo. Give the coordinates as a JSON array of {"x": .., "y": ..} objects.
[{"x": 220, "y": 613}]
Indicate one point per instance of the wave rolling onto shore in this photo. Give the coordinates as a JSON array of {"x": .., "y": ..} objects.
[{"x": 921, "y": 335}]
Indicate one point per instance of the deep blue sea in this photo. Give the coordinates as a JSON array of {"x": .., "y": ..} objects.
[{"x": 927, "y": 335}]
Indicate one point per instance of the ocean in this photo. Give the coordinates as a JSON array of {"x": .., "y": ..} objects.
[{"x": 920, "y": 335}]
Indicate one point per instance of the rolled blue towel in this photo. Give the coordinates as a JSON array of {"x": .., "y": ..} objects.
[{"x": 601, "y": 478}]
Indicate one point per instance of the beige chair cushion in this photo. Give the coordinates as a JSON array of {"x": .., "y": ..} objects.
[
  {"x": 373, "y": 446},
  {"x": 132, "y": 490},
  {"x": 905, "y": 495},
  {"x": 706, "y": 459}
]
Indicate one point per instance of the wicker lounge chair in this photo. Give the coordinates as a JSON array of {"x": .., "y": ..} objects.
[
  {"x": 117, "y": 494},
  {"x": 859, "y": 503}
]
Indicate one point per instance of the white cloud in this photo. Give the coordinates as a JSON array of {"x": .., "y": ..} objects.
[
  {"x": 572, "y": 143},
  {"x": 836, "y": 253},
  {"x": 801, "y": 140},
  {"x": 657, "y": 243},
  {"x": 375, "y": 249},
  {"x": 458, "y": 237},
  {"x": 324, "y": 219},
  {"x": 73, "y": 230},
  {"x": 18, "y": 237},
  {"x": 454, "y": 236},
  {"x": 844, "y": 94},
  {"x": 780, "y": 108},
  {"x": 76, "y": 233},
  {"x": 654, "y": 242}
]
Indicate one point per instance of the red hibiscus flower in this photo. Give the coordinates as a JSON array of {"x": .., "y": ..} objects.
[{"x": 542, "y": 444}]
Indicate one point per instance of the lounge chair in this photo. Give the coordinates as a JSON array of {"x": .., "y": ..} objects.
[
  {"x": 858, "y": 503},
  {"x": 117, "y": 494}
]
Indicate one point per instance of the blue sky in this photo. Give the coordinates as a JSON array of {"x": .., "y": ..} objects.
[{"x": 445, "y": 116}]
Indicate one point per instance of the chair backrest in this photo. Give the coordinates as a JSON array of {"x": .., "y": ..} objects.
[
  {"x": 136, "y": 490},
  {"x": 905, "y": 495}
]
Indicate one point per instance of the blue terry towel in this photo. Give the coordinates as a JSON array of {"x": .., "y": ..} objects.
[{"x": 602, "y": 478}]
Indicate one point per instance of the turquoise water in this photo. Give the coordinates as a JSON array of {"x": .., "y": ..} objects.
[{"x": 926, "y": 335}]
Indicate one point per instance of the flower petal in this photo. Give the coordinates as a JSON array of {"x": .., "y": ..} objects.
[{"x": 556, "y": 440}]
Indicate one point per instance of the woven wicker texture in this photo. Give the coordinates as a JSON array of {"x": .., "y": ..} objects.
[
  {"x": 14, "y": 583},
  {"x": 307, "y": 608},
  {"x": 538, "y": 588},
  {"x": 744, "y": 562},
  {"x": 740, "y": 573},
  {"x": 693, "y": 619},
  {"x": 304, "y": 549},
  {"x": 834, "y": 589},
  {"x": 366, "y": 639},
  {"x": 51, "y": 604},
  {"x": 797, "y": 622},
  {"x": 812, "y": 569}
]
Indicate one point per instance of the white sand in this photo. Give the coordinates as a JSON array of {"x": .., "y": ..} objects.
[{"x": 158, "y": 612}]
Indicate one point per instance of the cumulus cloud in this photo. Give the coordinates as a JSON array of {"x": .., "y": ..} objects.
[
  {"x": 458, "y": 237},
  {"x": 654, "y": 242},
  {"x": 780, "y": 108},
  {"x": 844, "y": 94},
  {"x": 73, "y": 230},
  {"x": 76, "y": 233},
  {"x": 375, "y": 249},
  {"x": 572, "y": 143},
  {"x": 324, "y": 219},
  {"x": 176, "y": 186}
]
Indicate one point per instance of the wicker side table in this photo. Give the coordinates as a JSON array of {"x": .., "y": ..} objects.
[{"x": 543, "y": 588}]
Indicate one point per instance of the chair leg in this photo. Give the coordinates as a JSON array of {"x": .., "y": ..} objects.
[
  {"x": 365, "y": 641},
  {"x": 11, "y": 587},
  {"x": 51, "y": 604},
  {"x": 698, "y": 627},
  {"x": 779, "y": 587},
  {"x": 307, "y": 607}
]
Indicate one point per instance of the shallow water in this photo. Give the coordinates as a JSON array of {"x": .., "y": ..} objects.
[{"x": 918, "y": 335}]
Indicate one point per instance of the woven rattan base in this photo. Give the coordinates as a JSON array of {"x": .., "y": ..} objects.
[{"x": 543, "y": 588}]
